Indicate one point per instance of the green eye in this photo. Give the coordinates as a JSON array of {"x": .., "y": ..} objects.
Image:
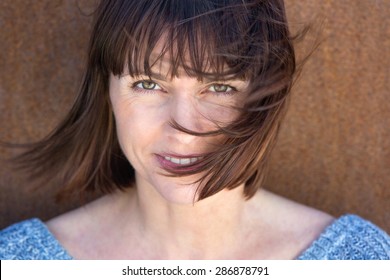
[
  {"x": 220, "y": 88},
  {"x": 148, "y": 85}
]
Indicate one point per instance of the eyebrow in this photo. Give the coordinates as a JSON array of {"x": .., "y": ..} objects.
[{"x": 158, "y": 76}]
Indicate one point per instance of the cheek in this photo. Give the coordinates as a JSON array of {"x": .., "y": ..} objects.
[
  {"x": 222, "y": 109},
  {"x": 132, "y": 137},
  {"x": 130, "y": 124},
  {"x": 137, "y": 126},
  {"x": 221, "y": 114}
]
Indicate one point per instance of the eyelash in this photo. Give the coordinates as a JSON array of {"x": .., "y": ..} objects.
[
  {"x": 231, "y": 90},
  {"x": 136, "y": 87}
]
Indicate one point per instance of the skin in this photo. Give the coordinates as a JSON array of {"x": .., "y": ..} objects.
[
  {"x": 147, "y": 113},
  {"x": 158, "y": 219}
]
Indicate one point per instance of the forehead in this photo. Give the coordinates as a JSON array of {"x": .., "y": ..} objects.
[{"x": 167, "y": 59}]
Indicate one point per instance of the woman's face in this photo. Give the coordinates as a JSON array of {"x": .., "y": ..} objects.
[{"x": 144, "y": 108}]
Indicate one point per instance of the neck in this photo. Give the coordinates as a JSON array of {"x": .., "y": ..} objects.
[{"x": 207, "y": 229}]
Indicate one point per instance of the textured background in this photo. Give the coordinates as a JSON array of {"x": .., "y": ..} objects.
[{"x": 333, "y": 152}]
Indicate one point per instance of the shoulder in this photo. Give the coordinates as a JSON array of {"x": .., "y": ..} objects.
[
  {"x": 283, "y": 227},
  {"x": 28, "y": 240},
  {"x": 350, "y": 238}
]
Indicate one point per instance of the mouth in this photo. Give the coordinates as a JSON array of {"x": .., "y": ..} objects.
[
  {"x": 182, "y": 161},
  {"x": 178, "y": 163}
]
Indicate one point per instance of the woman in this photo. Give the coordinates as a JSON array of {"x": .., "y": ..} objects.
[{"x": 179, "y": 109}]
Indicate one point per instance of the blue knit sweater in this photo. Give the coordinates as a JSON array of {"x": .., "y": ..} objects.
[{"x": 347, "y": 238}]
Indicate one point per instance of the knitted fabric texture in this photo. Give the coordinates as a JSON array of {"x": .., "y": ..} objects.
[
  {"x": 347, "y": 238},
  {"x": 30, "y": 240},
  {"x": 350, "y": 238}
]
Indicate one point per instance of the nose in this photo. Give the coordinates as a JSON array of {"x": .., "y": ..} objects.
[{"x": 184, "y": 110}]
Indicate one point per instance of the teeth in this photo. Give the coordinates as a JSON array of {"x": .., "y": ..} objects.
[
  {"x": 185, "y": 161},
  {"x": 182, "y": 161}
]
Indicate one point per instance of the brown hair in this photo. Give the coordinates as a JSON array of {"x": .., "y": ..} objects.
[{"x": 248, "y": 39}]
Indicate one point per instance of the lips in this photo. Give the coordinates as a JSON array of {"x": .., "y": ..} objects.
[{"x": 178, "y": 163}]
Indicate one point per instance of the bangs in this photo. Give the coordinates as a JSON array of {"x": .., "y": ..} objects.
[{"x": 221, "y": 39}]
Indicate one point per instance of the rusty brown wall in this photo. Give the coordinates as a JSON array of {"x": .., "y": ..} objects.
[
  {"x": 333, "y": 152},
  {"x": 42, "y": 49},
  {"x": 334, "y": 148}
]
